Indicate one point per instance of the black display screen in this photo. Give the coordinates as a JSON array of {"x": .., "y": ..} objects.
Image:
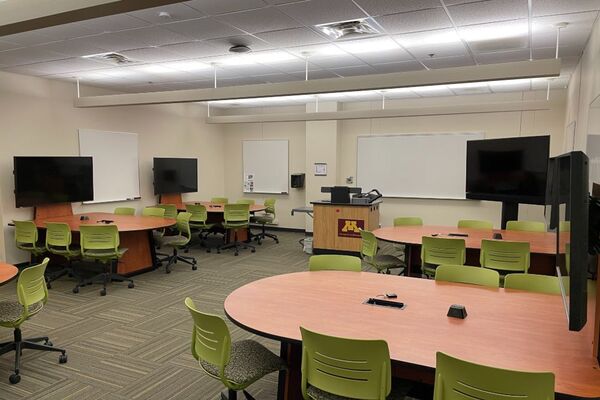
[{"x": 175, "y": 175}]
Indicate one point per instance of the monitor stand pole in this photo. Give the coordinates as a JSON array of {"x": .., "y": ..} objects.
[{"x": 510, "y": 212}]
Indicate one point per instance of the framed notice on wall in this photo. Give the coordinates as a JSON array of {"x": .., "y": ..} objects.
[{"x": 320, "y": 169}]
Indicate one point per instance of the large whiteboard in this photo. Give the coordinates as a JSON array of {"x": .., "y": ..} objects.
[
  {"x": 265, "y": 166},
  {"x": 116, "y": 165},
  {"x": 414, "y": 165}
]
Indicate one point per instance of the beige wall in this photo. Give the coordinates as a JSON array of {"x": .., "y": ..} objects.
[{"x": 38, "y": 118}]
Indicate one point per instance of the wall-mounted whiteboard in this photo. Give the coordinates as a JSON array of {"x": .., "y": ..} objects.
[
  {"x": 116, "y": 165},
  {"x": 414, "y": 165},
  {"x": 265, "y": 164}
]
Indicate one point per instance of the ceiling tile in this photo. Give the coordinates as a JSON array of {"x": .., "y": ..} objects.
[
  {"x": 28, "y": 56},
  {"x": 550, "y": 7},
  {"x": 442, "y": 43},
  {"x": 415, "y": 21},
  {"x": 72, "y": 48},
  {"x": 448, "y": 62},
  {"x": 200, "y": 29},
  {"x": 576, "y": 32},
  {"x": 177, "y": 12},
  {"x": 113, "y": 23},
  {"x": 65, "y": 66},
  {"x": 223, "y": 44},
  {"x": 195, "y": 49},
  {"x": 503, "y": 56},
  {"x": 322, "y": 12},
  {"x": 336, "y": 62},
  {"x": 152, "y": 54},
  {"x": 214, "y": 7},
  {"x": 389, "y": 56},
  {"x": 291, "y": 37},
  {"x": 24, "y": 39},
  {"x": 455, "y": 2},
  {"x": 382, "y": 7},
  {"x": 8, "y": 46},
  {"x": 260, "y": 20},
  {"x": 66, "y": 31},
  {"x": 137, "y": 38},
  {"x": 500, "y": 36},
  {"x": 488, "y": 11}
]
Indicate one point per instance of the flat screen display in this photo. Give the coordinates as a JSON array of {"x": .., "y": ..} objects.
[
  {"x": 511, "y": 169},
  {"x": 47, "y": 180},
  {"x": 175, "y": 175}
]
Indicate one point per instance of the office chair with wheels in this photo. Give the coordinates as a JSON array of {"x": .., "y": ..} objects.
[
  {"x": 219, "y": 200},
  {"x": 250, "y": 202},
  {"x": 124, "y": 211},
  {"x": 381, "y": 262},
  {"x": 466, "y": 274},
  {"x": 198, "y": 221},
  {"x": 236, "y": 217},
  {"x": 32, "y": 295},
  {"x": 26, "y": 239},
  {"x": 180, "y": 241},
  {"x": 59, "y": 242},
  {"x": 405, "y": 221},
  {"x": 526, "y": 226},
  {"x": 439, "y": 251},
  {"x": 475, "y": 224},
  {"x": 100, "y": 243},
  {"x": 267, "y": 218},
  {"x": 157, "y": 234},
  {"x": 534, "y": 283},
  {"x": 504, "y": 256},
  {"x": 237, "y": 365},
  {"x": 334, "y": 262}
]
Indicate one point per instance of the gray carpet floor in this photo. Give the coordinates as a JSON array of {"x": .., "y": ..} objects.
[{"x": 135, "y": 343}]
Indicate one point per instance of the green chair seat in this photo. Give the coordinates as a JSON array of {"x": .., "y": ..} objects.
[
  {"x": 248, "y": 362},
  {"x": 381, "y": 262},
  {"x": 105, "y": 254},
  {"x": 72, "y": 251},
  {"x": 175, "y": 240},
  {"x": 263, "y": 219},
  {"x": 200, "y": 225},
  {"x": 36, "y": 249},
  {"x": 398, "y": 393},
  {"x": 387, "y": 261},
  {"x": 12, "y": 311}
]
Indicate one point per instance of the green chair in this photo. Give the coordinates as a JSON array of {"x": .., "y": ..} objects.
[
  {"x": 180, "y": 241},
  {"x": 408, "y": 221},
  {"x": 340, "y": 368},
  {"x": 441, "y": 251},
  {"x": 382, "y": 263},
  {"x": 153, "y": 212},
  {"x": 26, "y": 239},
  {"x": 456, "y": 379},
  {"x": 475, "y": 224},
  {"x": 267, "y": 218},
  {"x": 250, "y": 202},
  {"x": 198, "y": 221},
  {"x": 564, "y": 226},
  {"x": 334, "y": 262},
  {"x": 100, "y": 243},
  {"x": 236, "y": 217},
  {"x": 533, "y": 283},
  {"x": 237, "y": 365},
  {"x": 32, "y": 295},
  {"x": 157, "y": 234},
  {"x": 504, "y": 256},
  {"x": 466, "y": 274},
  {"x": 124, "y": 211},
  {"x": 219, "y": 200},
  {"x": 59, "y": 242},
  {"x": 526, "y": 226}
]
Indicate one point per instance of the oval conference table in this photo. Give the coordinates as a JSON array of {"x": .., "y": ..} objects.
[
  {"x": 8, "y": 272},
  {"x": 504, "y": 328},
  {"x": 135, "y": 233},
  {"x": 542, "y": 244}
]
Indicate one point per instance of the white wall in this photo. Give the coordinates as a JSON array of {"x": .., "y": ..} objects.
[{"x": 38, "y": 118}]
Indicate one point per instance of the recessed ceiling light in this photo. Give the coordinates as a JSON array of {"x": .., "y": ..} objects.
[
  {"x": 346, "y": 29},
  {"x": 239, "y": 48}
]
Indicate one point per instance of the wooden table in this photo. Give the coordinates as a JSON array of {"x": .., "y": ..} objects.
[
  {"x": 8, "y": 272},
  {"x": 135, "y": 233},
  {"x": 542, "y": 244},
  {"x": 504, "y": 328}
]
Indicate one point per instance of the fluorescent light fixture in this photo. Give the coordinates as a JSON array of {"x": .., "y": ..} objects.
[
  {"x": 271, "y": 57},
  {"x": 323, "y": 50},
  {"x": 368, "y": 45},
  {"x": 470, "y": 85},
  {"x": 427, "y": 39},
  {"x": 494, "y": 31},
  {"x": 187, "y": 66}
]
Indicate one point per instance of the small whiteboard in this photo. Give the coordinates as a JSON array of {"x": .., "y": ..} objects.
[
  {"x": 116, "y": 165},
  {"x": 265, "y": 164},
  {"x": 414, "y": 165}
]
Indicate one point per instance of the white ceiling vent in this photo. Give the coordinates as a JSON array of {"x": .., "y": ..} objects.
[
  {"x": 111, "y": 58},
  {"x": 348, "y": 29}
]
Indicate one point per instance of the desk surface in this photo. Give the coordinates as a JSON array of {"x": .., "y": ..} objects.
[
  {"x": 125, "y": 223},
  {"x": 218, "y": 208},
  {"x": 505, "y": 328},
  {"x": 540, "y": 242},
  {"x": 7, "y": 273}
]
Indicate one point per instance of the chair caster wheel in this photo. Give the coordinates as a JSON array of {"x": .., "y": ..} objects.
[
  {"x": 102, "y": 292},
  {"x": 218, "y": 252},
  {"x": 236, "y": 254},
  {"x": 253, "y": 251},
  {"x": 76, "y": 290},
  {"x": 49, "y": 343},
  {"x": 168, "y": 271},
  {"x": 131, "y": 285},
  {"x": 186, "y": 251},
  {"x": 194, "y": 267},
  {"x": 208, "y": 251},
  {"x": 14, "y": 379},
  {"x": 62, "y": 359},
  {"x": 48, "y": 285},
  {"x": 277, "y": 241}
]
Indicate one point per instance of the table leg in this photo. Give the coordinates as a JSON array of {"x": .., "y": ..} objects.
[{"x": 289, "y": 380}]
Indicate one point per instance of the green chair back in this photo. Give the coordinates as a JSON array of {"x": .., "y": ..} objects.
[
  {"x": 504, "y": 255},
  {"x": 408, "y": 221},
  {"x": 170, "y": 210},
  {"x": 99, "y": 237},
  {"x": 250, "y": 202},
  {"x": 26, "y": 236},
  {"x": 153, "y": 212},
  {"x": 219, "y": 200},
  {"x": 351, "y": 368},
  {"x": 466, "y": 274},
  {"x": 533, "y": 283},
  {"x": 183, "y": 224},
  {"x": 334, "y": 262},
  {"x": 270, "y": 206},
  {"x": 456, "y": 379},
  {"x": 31, "y": 286},
  {"x": 368, "y": 247},
  {"x": 58, "y": 238},
  {"x": 527, "y": 226},
  {"x": 236, "y": 213},
  {"x": 475, "y": 224},
  {"x": 198, "y": 211},
  {"x": 124, "y": 211},
  {"x": 564, "y": 226},
  {"x": 211, "y": 340},
  {"x": 440, "y": 251}
]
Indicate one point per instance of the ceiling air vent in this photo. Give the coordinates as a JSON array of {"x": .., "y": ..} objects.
[
  {"x": 111, "y": 58},
  {"x": 348, "y": 29}
]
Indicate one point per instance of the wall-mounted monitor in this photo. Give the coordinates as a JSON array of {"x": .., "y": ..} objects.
[
  {"x": 509, "y": 170},
  {"x": 47, "y": 180},
  {"x": 175, "y": 175}
]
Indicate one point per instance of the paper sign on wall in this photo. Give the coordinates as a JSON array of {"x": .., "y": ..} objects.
[{"x": 249, "y": 183}]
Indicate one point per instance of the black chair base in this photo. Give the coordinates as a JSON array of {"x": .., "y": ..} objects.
[
  {"x": 231, "y": 394},
  {"x": 66, "y": 270},
  {"x": 263, "y": 234},
  {"x": 105, "y": 278},
  {"x": 19, "y": 344},
  {"x": 236, "y": 244},
  {"x": 173, "y": 258}
]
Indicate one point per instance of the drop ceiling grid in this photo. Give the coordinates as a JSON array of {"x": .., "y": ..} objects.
[{"x": 285, "y": 25}]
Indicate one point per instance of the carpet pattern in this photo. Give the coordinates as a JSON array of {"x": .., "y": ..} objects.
[{"x": 135, "y": 343}]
